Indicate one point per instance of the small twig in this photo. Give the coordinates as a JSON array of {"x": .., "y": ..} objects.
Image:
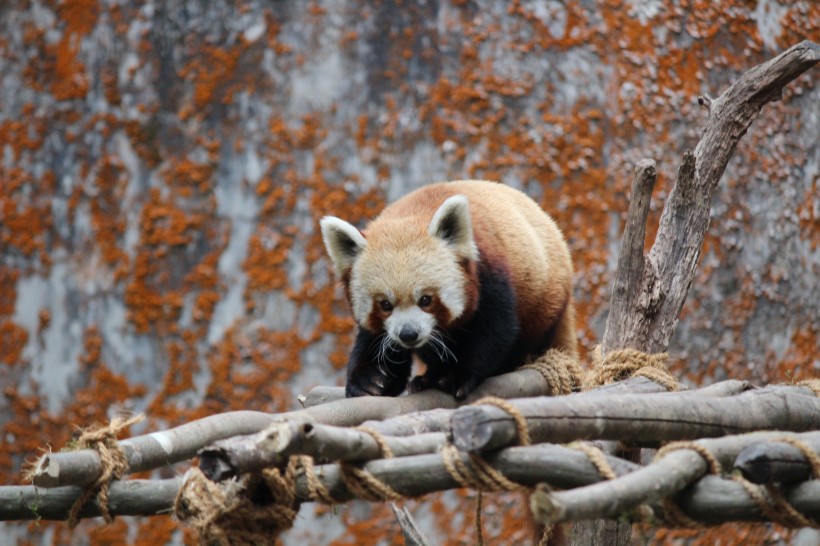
[{"x": 412, "y": 534}]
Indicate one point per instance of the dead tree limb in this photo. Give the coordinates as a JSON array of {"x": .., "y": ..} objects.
[
  {"x": 412, "y": 534},
  {"x": 776, "y": 461},
  {"x": 649, "y": 293},
  {"x": 125, "y": 498},
  {"x": 644, "y": 420},
  {"x": 272, "y": 447},
  {"x": 662, "y": 478},
  {"x": 162, "y": 448}
]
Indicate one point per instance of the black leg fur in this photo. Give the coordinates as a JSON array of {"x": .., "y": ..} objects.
[
  {"x": 367, "y": 376},
  {"x": 483, "y": 345}
]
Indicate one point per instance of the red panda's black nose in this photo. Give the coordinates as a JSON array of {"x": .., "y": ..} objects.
[{"x": 408, "y": 334}]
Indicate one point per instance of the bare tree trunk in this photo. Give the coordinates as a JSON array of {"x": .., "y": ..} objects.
[{"x": 649, "y": 292}]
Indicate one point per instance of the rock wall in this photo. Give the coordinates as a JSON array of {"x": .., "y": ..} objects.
[{"x": 164, "y": 164}]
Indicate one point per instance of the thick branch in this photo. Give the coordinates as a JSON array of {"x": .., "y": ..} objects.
[
  {"x": 273, "y": 446},
  {"x": 648, "y": 321},
  {"x": 646, "y": 419},
  {"x": 157, "y": 449},
  {"x": 648, "y": 485},
  {"x": 628, "y": 281},
  {"x": 776, "y": 461},
  {"x": 125, "y": 498}
]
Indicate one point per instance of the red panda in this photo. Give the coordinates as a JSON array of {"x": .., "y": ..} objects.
[{"x": 471, "y": 277}]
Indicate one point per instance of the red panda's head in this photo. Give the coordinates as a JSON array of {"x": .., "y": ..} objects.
[{"x": 408, "y": 275}]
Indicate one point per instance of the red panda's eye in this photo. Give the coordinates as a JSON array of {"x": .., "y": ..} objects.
[
  {"x": 386, "y": 306},
  {"x": 424, "y": 301}
]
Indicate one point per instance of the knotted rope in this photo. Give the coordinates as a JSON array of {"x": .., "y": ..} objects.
[
  {"x": 624, "y": 363},
  {"x": 248, "y": 512},
  {"x": 672, "y": 512},
  {"x": 103, "y": 439},
  {"x": 561, "y": 371},
  {"x": 813, "y": 384}
]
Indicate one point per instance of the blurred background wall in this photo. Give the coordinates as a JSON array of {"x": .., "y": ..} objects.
[{"x": 164, "y": 164}]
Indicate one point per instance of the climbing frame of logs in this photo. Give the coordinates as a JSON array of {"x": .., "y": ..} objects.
[{"x": 726, "y": 452}]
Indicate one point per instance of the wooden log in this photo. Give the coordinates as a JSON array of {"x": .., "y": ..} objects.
[
  {"x": 274, "y": 445},
  {"x": 126, "y": 498},
  {"x": 163, "y": 448},
  {"x": 776, "y": 461},
  {"x": 662, "y": 478},
  {"x": 322, "y": 395},
  {"x": 646, "y": 419}
]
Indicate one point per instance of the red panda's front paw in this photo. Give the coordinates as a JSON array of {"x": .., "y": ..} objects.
[
  {"x": 464, "y": 389},
  {"x": 418, "y": 384},
  {"x": 372, "y": 382}
]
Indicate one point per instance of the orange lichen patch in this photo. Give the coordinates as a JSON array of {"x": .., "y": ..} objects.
[
  {"x": 108, "y": 223},
  {"x": 217, "y": 74},
  {"x": 8, "y": 294},
  {"x": 24, "y": 229},
  {"x": 188, "y": 178},
  {"x": 265, "y": 265},
  {"x": 79, "y": 16},
  {"x": 730, "y": 534},
  {"x": 66, "y": 73},
  {"x": 13, "y": 339},
  {"x": 379, "y": 527},
  {"x": 251, "y": 374},
  {"x": 182, "y": 363}
]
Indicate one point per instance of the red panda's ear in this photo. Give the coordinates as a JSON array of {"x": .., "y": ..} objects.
[
  {"x": 343, "y": 242},
  {"x": 452, "y": 224}
]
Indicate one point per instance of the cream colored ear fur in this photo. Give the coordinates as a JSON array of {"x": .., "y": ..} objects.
[
  {"x": 343, "y": 242},
  {"x": 452, "y": 224}
]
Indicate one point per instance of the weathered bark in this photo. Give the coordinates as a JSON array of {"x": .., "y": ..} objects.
[
  {"x": 412, "y": 534},
  {"x": 157, "y": 449},
  {"x": 273, "y": 446},
  {"x": 644, "y": 420},
  {"x": 125, "y": 498},
  {"x": 665, "y": 477},
  {"x": 649, "y": 293},
  {"x": 776, "y": 461}
]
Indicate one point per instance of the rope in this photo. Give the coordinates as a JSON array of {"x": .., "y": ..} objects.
[
  {"x": 316, "y": 489},
  {"x": 813, "y": 384},
  {"x": 520, "y": 421},
  {"x": 812, "y": 457},
  {"x": 252, "y": 511},
  {"x": 381, "y": 441},
  {"x": 362, "y": 483},
  {"x": 561, "y": 371},
  {"x": 624, "y": 363},
  {"x": 597, "y": 458},
  {"x": 478, "y": 474},
  {"x": 672, "y": 512},
  {"x": 103, "y": 439},
  {"x": 773, "y": 505}
]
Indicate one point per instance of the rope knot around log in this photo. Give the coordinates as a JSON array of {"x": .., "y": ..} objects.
[
  {"x": 103, "y": 439},
  {"x": 561, "y": 371},
  {"x": 672, "y": 512},
  {"x": 245, "y": 512},
  {"x": 622, "y": 364}
]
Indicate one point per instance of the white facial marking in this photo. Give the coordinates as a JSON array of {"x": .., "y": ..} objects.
[{"x": 415, "y": 318}]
